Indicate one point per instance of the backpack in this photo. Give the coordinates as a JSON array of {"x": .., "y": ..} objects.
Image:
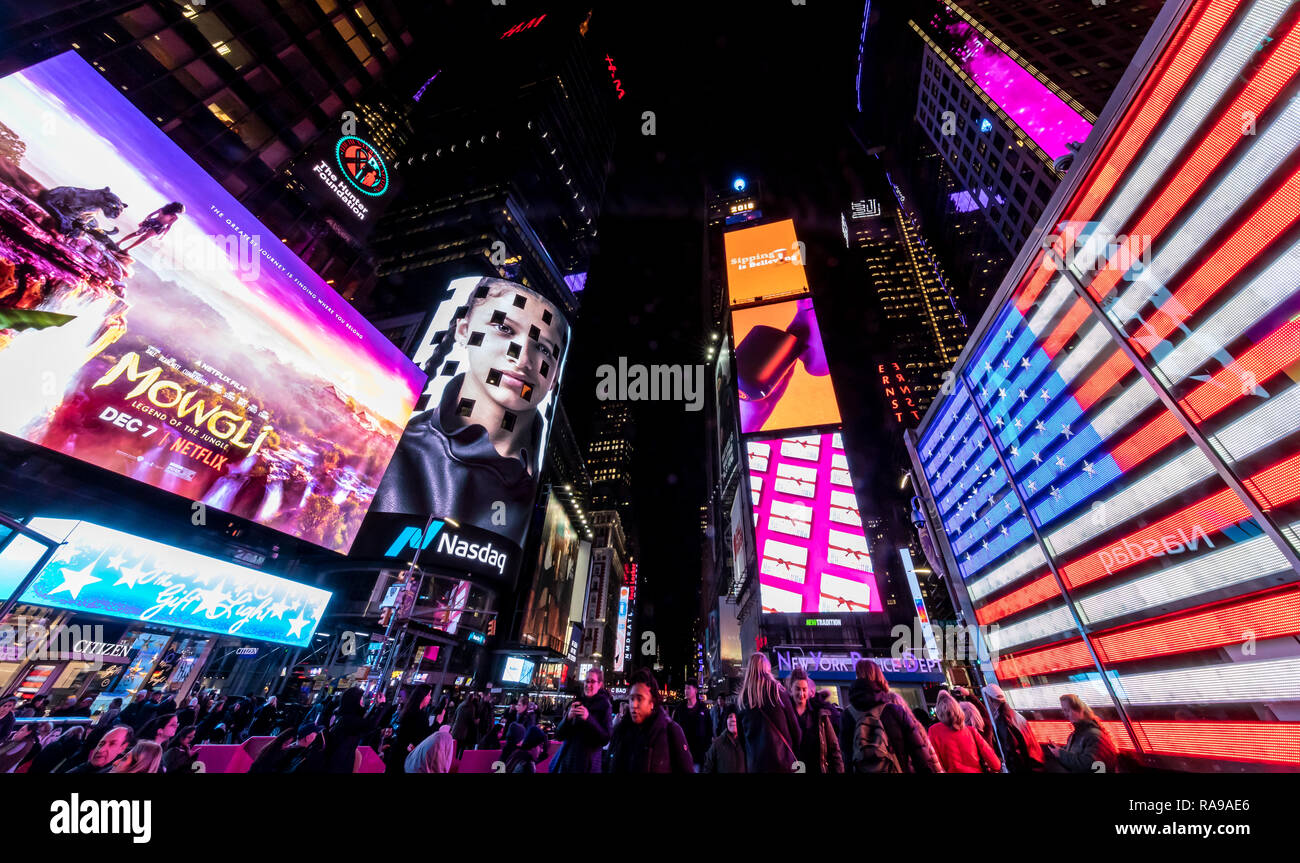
[{"x": 871, "y": 750}]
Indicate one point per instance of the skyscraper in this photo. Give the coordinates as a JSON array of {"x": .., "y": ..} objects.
[{"x": 609, "y": 458}]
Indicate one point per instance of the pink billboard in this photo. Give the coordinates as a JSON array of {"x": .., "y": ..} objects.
[{"x": 812, "y": 550}]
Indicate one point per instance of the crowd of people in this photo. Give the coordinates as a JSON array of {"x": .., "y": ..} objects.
[{"x": 767, "y": 728}]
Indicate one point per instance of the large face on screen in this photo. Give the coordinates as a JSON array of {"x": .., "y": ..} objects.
[{"x": 514, "y": 341}]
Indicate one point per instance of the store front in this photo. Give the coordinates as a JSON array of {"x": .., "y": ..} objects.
[{"x": 834, "y": 671}]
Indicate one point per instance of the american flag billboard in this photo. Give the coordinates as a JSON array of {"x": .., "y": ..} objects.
[{"x": 1116, "y": 468}]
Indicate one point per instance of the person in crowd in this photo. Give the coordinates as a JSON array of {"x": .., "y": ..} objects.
[
  {"x": 64, "y": 747},
  {"x": 513, "y": 738},
  {"x": 985, "y": 726},
  {"x": 693, "y": 717},
  {"x": 131, "y": 713},
  {"x": 442, "y": 714},
  {"x": 622, "y": 713},
  {"x": 187, "y": 715},
  {"x": 105, "y": 753},
  {"x": 767, "y": 720},
  {"x": 351, "y": 725},
  {"x": 271, "y": 752},
  {"x": 819, "y": 746},
  {"x": 531, "y": 750},
  {"x": 1020, "y": 749},
  {"x": 237, "y": 718},
  {"x": 492, "y": 739},
  {"x": 877, "y": 735},
  {"x": 108, "y": 718},
  {"x": 487, "y": 731},
  {"x": 464, "y": 725},
  {"x": 7, "y": 718},
  {"x": 973, "y": 718},
  {"x": 46, "y": 733},
  {"x": 959, "y": 747},
  {"x": 178, "y": 757},
  {"x": 67, "y": 708},
  {"x": 525, "y": 711},
  {"x": 434, "y": 754},
  {"x": 23, "y": 746},
  {"x": 586, "y": 728},
  {"x": 648, "y": 741},
  {"x": 727, "y": 752},
  {"x": 412, "y": 728},
  {"x": 1089, "y": 748},
  {"x": 264, "y": 719},
  {"x": 306, "y": 754},
  {"x": 161, "y": 729},
  {"x": 718, "y": 714},
  {"x": 144, "y": 757},
  {"x": 33, "y": 708}
]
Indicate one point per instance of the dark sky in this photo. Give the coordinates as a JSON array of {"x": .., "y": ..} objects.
[{"x": 761, "y": 89}]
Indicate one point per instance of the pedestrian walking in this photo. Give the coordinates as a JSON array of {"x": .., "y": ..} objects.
[
  {"x": 694, "y": 719},
  {"x": 877, "y": 733},
  {"x": 727, "y": 752},
  {"x": 586, "y": 728},
  {"x": 464, "y": 727},
  {"x": 819, "y": 747},
  {"x": 960, "y": 748},
  {"x": 767, "y": 720},
  {"x": 412, "y": 728},
  {"x": 648, "y": 741},
  {"x": 1020, "y": 750},
  {"x": 351, "y": 725}
]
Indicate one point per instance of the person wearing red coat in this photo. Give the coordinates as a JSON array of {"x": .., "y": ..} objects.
[{"x": 959, "y": 747}]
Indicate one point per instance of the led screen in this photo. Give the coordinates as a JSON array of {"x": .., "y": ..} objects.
[
  {"x": 781, "y": 370},
  {"x": 812, "y": 550},
  {"x": 1184, "y": 232},
  {"x": 493, "y": 354},
  {"x": 546, "y": 616},
  {"x": 189, "y": 349},
  {"x": 518, "y": 670},
  {"x": 1044, "y": 116},
  {"x": 764, "y": 262},
  {"x": 99, "y": 570},
  {"x": 621, "y": 629}
]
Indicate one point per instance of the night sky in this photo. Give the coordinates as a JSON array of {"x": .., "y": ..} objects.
[{"x": 762, "y": 90}]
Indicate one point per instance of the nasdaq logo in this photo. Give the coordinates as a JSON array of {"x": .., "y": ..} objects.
[{"x": 414, "y": 538}]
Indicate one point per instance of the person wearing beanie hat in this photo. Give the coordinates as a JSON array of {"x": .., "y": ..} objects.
[
  {"x": 514, "y": 737},
  {"x": 525, "y": 758},
  {"x": 1020, "y": 749}
]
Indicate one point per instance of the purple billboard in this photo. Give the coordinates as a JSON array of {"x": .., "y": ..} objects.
[{"x": 150, "y": 325}]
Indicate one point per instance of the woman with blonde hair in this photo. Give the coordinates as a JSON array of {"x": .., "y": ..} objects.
[
  {"x": 144, "y": 758},
  {"x": 434, "y": 754},
  {"x": 1090, "y": 748},
  {"x": 768, "y": 720},
  {"x": 959, "y": 746}
]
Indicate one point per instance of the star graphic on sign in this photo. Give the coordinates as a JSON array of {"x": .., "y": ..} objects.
[
  {"x": 1089, "y": 469},
  {"x": 278, "y": 609},
  {"x": 998, "y": 422},
  {"x": 1038, "y": 426},
  {"x": 210, "y": 601},
  {"x": 1045, "y": 395},
  {"x": 1006, "y": 365},
  {"x": 296, "y": 624},
  {"x": 984, "y": 394},
  {"x": 1015, "y": 453},
  {"x": 1003, "y": 528},
  {"x": 1007, "y": 504},
  {"x": 968, "y": 557},
  {"x": 1055, "y": 493},
  {"x": 1024, "y": 364},
  {"x": 1031, "y": 485},
  {"x": 1023, "y": 395},
  {"x": 1019, "y": 424},
  {"x": 979, "y": 444},
  {"x": 64, "y": 554},
  {"x": 1038, "y": 459},
  {"x": 988, "y": 367},
  {"x": 986, "y": 523},
  {"x": 1060, "y": 462},
  {"x": 75, "y": 580},
  {"x": 1002, "y": 393},
  {"x": 986, "y": 545},
  {"x": 130, "y": 575},
  {"x": 116, "y": 561},
  {"x": 1009, "y": 335},
  {"x": 1065, "y": 430}
]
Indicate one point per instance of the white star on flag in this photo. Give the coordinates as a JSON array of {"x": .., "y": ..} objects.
[
  {"x": 988, "y": 367},
  {"x": 75, "y": 580},
  {"x": 1002, "y": 393},
  {"x": 986, "y": 545},
  {"x": 1065, "y": 430},
  {"x": 1006, "y": 365},
  {"x": 1009, "y": 335},
  {"x": 1055, "y": 493},
  {"x": 1019, "y": 424},
  {"x": 1007, "y": 504},
  {"x": 1024, "y": 363},
  {"x": 1038, "y": 459},
  {"x": 1004, "y": 530},
  {"x": 1060, "y": 462},
  {"x": 1023, "y": 395},
  {"x": 1015, "y": 453},
  {"x": 1089, "y": 469},
  {"x": 1038, "y": 426},
  {"x": 998, "y": 422},
  {"x": 296, "y": 624}
]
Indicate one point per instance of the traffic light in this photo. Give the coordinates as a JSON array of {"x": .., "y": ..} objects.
[{"x": 492, "y": 627}]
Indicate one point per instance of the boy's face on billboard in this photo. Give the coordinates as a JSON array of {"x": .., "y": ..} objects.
[{"x": 514, "y": 351}]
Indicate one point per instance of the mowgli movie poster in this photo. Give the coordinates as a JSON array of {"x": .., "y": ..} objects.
[{"x": 151, "y": 326}]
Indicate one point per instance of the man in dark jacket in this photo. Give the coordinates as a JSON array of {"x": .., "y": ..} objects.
[
  {"x": 586, "y": 728},
  {"x": 346, "y": 733},
  {"x": 464, "y": 725},
  {"x": 648, "y": 741},
  {"x": 693, "y": 717},
  {"x": 727, "y": 753},
  {"x": 907, "y": 741}
]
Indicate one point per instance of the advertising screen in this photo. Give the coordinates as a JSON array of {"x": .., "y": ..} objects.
[
  {"x": 763, "y": 263},
  {"x": 518, "y": 670},
  {"x": 1053, "y": 462},
  {"x": 493, "y": 354},
  {"x": 99, "y": 570},
  {"x": 781, "y": 370},
  {"x": 621, "y": 629},
  {"x": 189, "y": 349},
  {"x": 546, "y": 616},
  {"x": 812, "y": 550}
]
